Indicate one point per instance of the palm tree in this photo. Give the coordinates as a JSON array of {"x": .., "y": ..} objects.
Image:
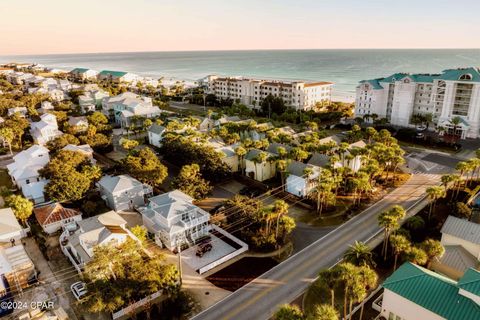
[
  {"x": 322, "y": 189},
  {"x": 282, "y": 166},
  {"x": 7, "y": 136},
  {"x": 240, "y": 152},
  {"x": 331, "y": 278},
  {"x": 455, "y": 122},
  {"x": 389, "y": 220},
  {"x": 415, "y": 223},
  {"x": 288, "y": 312},
  {"x": 399, "y": 244},
  {"x": 416, "y": 255},
  {"x": 434, "y": 193},
  {"x": 359, "y": 254},
  {"x": 280, "y": 208},
  {"x": 368, "y": 280},
  {"x": 325, "y": 312},
  {"x": 433, "y": 249}
]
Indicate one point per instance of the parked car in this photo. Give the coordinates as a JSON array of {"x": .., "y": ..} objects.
[
  {"x": 204, "y": 247},
  {"x": 79, "y": 289},
  {"x": 250, "y": 192},
  {"x": 217, "y": 209}
]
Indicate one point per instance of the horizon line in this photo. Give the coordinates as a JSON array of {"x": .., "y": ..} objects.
[{"x": 231, "y": 50}]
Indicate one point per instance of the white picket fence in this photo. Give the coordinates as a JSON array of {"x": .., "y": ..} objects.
[{"x": 128, "y": 311}]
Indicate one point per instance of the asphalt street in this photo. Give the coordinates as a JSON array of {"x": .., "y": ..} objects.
[{"x": 285, "y": 282}]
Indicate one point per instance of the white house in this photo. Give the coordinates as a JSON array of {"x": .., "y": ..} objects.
[
  {"x": 22, "y": 111},
  {"x": 229, "y": 157},
  {"x": 123, "y": 192},
  {"x": 447, "y": 95},
  {"x": 9, "y": 227},
  {"x": 84, "y": 149},
  {"x": 413, "y": 293},
  {"x": 461, "y": 240},
  {"x": 298, "y": 182},
  {"x": 78, "y": 124},
  {"x": 117, "y": 76},
  {"x": 83, "y": 74},
  {"x": 45, "y": 107},
  {"x": 54, "y": 217},
  {"x": 155, "y": 135},
  {"x": 206, "y": 124},
  {"x": 174, "y": 220},
  {"x": 105, "y": 229},
  {"x": 45, "y": 130},
  {"x": 258, "y": 168},
  {"x": 24, "y": 172},
  {"x": 127, "y": 105}
]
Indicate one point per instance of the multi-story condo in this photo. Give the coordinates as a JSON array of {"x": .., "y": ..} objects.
[
  {"x": 454, "y": 93},
  {"x": 251, "y": 92}
]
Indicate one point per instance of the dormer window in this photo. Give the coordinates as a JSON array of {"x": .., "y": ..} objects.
[{"x": 466, "y": 76}]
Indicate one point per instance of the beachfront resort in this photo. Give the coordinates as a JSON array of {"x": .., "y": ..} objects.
[{"x": 113, "y": 180}]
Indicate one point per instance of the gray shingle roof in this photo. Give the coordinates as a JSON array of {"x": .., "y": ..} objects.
[
  {"x": 118, "y": 183},
  {"x": 273, "y": 147},
  {"x": 319, "y": 160},
  {"x": 157, "y": 129},
  {"x": 463, "y": 229}
]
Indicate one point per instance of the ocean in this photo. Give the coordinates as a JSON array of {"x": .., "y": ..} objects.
[{"x": 343, "y": 67}]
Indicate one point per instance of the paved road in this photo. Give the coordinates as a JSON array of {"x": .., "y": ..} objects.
[{"x": 285, "y": 282}]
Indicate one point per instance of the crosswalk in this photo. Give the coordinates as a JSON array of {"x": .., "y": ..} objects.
[
  {"x": 426, "y": 174},
  {"x": 465, "y": 154}
]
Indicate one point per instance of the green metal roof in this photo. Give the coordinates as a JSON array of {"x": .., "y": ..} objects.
[
  {"x": 470, "y": 282},
  {"x": 80, "y": 70},
  {"x": 455, "y": 74},
  {"x": 449, "y": 74},
  {"x": 113, "y": 73},
  {"x": 433, "y": 292}
]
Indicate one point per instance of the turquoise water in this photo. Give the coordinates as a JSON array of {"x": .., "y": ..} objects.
[{"x": 344, "y": 67}]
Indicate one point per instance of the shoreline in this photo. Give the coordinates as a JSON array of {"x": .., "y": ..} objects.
[{"x": 169, "y": 79}]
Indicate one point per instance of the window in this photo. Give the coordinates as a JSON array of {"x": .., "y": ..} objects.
[{"x": 465, "y": 77}]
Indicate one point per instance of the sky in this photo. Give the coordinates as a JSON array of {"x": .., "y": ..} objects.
[{"x": 84, "y": 26}]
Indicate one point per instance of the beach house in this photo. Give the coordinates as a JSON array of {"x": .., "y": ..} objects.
[
  {"x": 461, "y": 240},
  {"x": 259, "y": 165},
  {"x": 82, "y": 74},
  {"x": 301, "y": 178},
  {"x": 54, "y": 217},
  {"x": 105, "y": 229},
  {"x": 123, "y": 193},
  {"x": 117, "y": 76},
  {"x": 413, "y": 292},
  {"x": 24, "y": 172},
  {"x": 45, "y": 130},
  {"x": 155, "y": 135},
  {"x": 175, "y": 220}
]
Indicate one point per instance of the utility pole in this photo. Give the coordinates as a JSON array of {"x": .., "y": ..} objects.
[
  {"x": 179, "y": 249},
  {"x": 269, "y": 110}
]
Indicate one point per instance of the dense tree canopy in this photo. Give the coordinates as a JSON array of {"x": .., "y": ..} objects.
[
  {"x": 22, "y": 208},
  {"x": 183, "y": 150},
  {"x": 120, "y": 275},
  {"x": 145, "y": 166},
  {"x": 71, "y": 175},
  {"x": 190, "y": 181}
]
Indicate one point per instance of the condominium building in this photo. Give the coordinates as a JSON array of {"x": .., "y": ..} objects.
[
  {"x": 454, "y": 93},
  {"x": 251, "y": 92}
]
